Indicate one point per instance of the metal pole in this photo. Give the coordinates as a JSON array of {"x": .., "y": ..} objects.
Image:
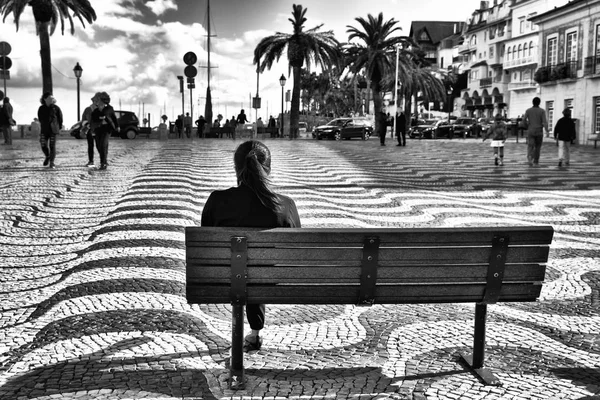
[
  {"x": 78, "y": 108},
  {"x": 282, "y": 111},
  {"x": 396, "y": 88},
  {"x": 191, "y": 111}
]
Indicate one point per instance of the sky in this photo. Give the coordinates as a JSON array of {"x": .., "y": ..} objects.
[{"x": 134, "y": 51}]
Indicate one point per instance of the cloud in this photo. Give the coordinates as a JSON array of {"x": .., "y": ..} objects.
[{"x": 158, "y": 7}]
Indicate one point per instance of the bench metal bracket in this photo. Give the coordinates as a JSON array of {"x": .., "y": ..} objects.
[
  {"x": 239, "y": 270},
  {"x": 368, "y": 275},
  {"x": 496, "y": 269}
]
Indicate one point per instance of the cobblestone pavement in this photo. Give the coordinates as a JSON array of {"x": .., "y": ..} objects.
[{"x": 92, "y": 274}]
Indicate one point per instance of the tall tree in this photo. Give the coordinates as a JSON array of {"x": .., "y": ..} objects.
[
  {"x": 303, "y": 47},
  {"x": 375, "y": 53},
  {"x": 47, "y": 14}
]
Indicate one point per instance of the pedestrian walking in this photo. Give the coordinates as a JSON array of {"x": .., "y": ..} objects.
[
  {"x": 6, "y": 121},
  {"x": 536, "y": 124},
  {"x": 179, "y": 125},
  {"x": 401, "y": 129},
  {"x": 104, "y": 124},
  {"x": 234, "y": 124},
  {"x": 86, "y": 120},
  {"x": 382, "y": 126},
  {"x": 253, "y": 203},
  {"x": 498, "y": 132},
  {"x": 564, "y": 133},
  {"x": 187, "y": 124},
  {"x": 51, "y": 121},
  {"x": 201, "y": 123}
]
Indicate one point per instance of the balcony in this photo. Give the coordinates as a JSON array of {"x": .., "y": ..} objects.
[
  {"x": 523, "y": 85},
  {"x": 485, "y": 82},
  {"x": 466, "y": 48},
  {"x": 557, "y": 72},
  {"x": 532, "y": 59},
  {"x": 592, "y": 66}
]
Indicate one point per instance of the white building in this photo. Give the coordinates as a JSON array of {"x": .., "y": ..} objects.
[{"x": 569, "y": 59}]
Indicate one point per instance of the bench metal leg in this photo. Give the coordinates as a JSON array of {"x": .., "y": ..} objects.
[
  {"x": 236, "y": 369},
  {"x": 476, "y": 360}
]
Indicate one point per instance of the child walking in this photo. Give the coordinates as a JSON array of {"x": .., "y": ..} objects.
[{"x": 498, "y": 132}]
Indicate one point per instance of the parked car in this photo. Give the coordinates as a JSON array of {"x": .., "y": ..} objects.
[
  {"x": 484, "y": 124},
  {"x": 417, "y": 131},
  {"x": 441, "y": 129},
  {"x": 129, "y": 126},
  {"x": 302, "y": 128},
  {"x": 464, "y": 126},
  {"x": 344, "y": 128}
]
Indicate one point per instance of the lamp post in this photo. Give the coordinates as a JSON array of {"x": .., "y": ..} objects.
[
  {"x": 282, "y": 83},
  {"x": 78, "y": 70}
]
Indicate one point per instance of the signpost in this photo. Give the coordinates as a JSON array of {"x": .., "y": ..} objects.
[
  {"x": 190, "y": 72},
  {"x": 5, "y": 62}
]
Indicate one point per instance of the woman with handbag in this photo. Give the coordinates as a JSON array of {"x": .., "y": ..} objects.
[{"x": 51, "y": 120}]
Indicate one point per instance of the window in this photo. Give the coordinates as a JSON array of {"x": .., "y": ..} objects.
[
  {"x": 473, "y": 40},
  {"x": 502, "y": 51},
  {"x": 509, "y": 53},
  {"x": 530, "y": 47},
  {"x": 597, "y": 115},
  {"x": 514, "y": 51},
  {"x": 424, "y": 37},
  {"x": 522, "y": 25},
  {"x": 550, "y": 112},
  {"x": 525, "y": 50},
  {"x": 551, "y": 51},
  {"x": 520, "y": 49},
  {"x": 534, "y": 27},
  {"x": 491, "y": 51},
  {"x": 527, "y": 75},
  {"x": 571, "y": 47},
  {"x": 569, "y": 104},
  {"x": 492, "y": 33}
]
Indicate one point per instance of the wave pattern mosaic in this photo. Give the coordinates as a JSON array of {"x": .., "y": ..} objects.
[{"x": 92, "y": 275}]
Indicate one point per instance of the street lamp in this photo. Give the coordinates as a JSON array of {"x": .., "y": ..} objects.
[
  {"x": 282, "y": 83},
  {"x": 78, "y": 70}
]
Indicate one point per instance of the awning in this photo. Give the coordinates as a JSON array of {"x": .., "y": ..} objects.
[{"x": 479, "y": 64}]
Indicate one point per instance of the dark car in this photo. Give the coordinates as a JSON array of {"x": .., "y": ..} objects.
[
  {"x": 425, "y": 125},
  {"x": 464, "y": 127},
  {"x": 344, "y": 128},
  {"x": 129, "y": 126},
  {"x": 441, "y": 129}
]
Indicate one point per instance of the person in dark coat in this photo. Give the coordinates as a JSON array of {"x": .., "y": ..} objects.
[
  {"x": 104, "y": 124},
  {"x": 86, "y": 119},
  {"x": 382, "y": 126},
  {"x": 51, "y": 122},
  {"x": 253, "y": 203},
  {"x": 564, "y": 133},
  {"x": 401, "y": 129},
  {"x": 7, "y": 121},
  {"x": 201, "y": 123}
]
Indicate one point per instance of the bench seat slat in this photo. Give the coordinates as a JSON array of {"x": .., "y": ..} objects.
[
  {"x": 348, "y": 294},
  {"x": 341, "y": 256},
  {"x": 197, "y": 273},
  {"x": 196, "y": 236}
]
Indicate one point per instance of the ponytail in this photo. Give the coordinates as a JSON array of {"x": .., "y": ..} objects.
[{"x": 252, "y": 161}]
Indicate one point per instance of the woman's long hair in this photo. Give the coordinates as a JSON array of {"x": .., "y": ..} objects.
[{"x": 252, "y": 161}]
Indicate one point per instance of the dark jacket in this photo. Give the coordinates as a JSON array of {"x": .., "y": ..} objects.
[
  {"x": 565, "y": 129},
  {"x": 239, "y": 206},
  {"x": 104, "y": 121},
  {"x": 497, "y": 131},
  {"x": 51, "y": 119}
]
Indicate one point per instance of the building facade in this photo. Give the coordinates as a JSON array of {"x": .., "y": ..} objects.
[{"x": 569, "y": 59}]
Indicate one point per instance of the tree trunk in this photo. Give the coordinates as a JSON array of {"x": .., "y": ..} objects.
[
  {"x": 295, "y": 107},
  {"x": 378, "y": 106},
  {"x": 45, "y": 56}
]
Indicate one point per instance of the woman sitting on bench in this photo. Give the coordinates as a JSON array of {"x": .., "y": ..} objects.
[{"x": 252, "y": 204}]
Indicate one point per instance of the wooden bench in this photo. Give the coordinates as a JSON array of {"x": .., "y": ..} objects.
[
  {"x": 595, "y": 139},
  {"x": 364, "y": 267}
]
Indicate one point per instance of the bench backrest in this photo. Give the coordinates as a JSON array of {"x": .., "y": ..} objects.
[{"x": 365, "y": 266}]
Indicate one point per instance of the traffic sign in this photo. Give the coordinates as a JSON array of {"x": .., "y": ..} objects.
[
  {"x": 4, "y": 49},
  {"x": 5, "y": 62},
  {"x": 190, "y": 58},
  {"x": 190, "y": 71},
  {"x": 4, "y": 74}
]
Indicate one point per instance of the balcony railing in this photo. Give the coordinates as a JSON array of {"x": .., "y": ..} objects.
[
  {"x": 520, "y": 61},
  {"x": 521, "y": 85},
  {"x": 592, "y": 65},
  {"x": 485, "y": 82},
  {"x": 551, "y": 73}
]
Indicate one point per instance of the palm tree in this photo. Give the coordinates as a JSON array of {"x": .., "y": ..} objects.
[
  {"x": 303, "y": 47},
  {"x": 46, "y": 14},
  {"x": 375, "y": 53}
]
